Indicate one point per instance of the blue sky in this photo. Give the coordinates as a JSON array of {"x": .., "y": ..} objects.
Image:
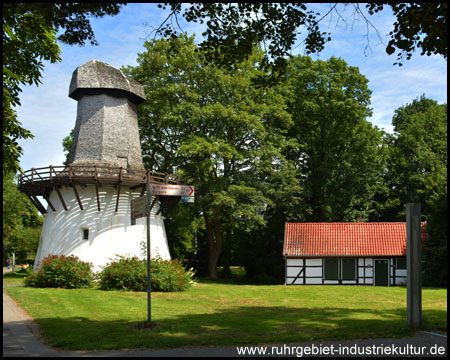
[{"x": 50, "y": 114}]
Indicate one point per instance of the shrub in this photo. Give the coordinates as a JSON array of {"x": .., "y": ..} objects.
[
  {"x": 130, "y": 274},
  {"x": 61, "y": 271},
  {"x": 170, "y": 275},
  {"x": 124, "y": 273}
]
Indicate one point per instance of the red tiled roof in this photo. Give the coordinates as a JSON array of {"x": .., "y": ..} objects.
[{"x": 346, "y": 239}]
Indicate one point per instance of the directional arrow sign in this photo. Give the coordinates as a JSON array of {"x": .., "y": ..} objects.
[{"x": 172, "y": 190}]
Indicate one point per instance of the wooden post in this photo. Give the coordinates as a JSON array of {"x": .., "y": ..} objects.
[
  {"x": 96, "y": 190},
  {"x": 413, "y": 259},
  {"x": 118, "y": 196}
]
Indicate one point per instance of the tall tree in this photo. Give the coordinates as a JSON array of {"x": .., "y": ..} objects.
[
  {"x": 338, "y": 153},
  {"x": 417, "y": 160},
  {"x": 29, "y": 37},
  {"x": 207, "y": 124},
  {"x": 417, "y": 172}
]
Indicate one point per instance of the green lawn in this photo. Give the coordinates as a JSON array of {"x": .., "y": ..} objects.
[{"x": 215, "y": 314}]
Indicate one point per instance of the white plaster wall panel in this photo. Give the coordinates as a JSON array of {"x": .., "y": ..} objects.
[
  {"x": 298, "y": 281},
  {"x": 400, "y": 281},
  {"x": 330, "y": 282},
  {"x": 110, "y": 233},
  {"x": 313, "y": 271},
  {"x": 313, "y": 281},
  {"x": 369, "y": 271},
  {"x": 293, "y": 271},
  {"x": 314, "y": 262},
  {"x": 295, "y": 262}
]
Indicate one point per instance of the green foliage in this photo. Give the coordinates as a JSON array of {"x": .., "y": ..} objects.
[
  {"x": 170, "y": 275},
  {"x": 184, "y": 225},
  {"x": 336, "y": 150},
  {"x": 416, "y": 169},
  {"x": 61, "y": 271},
  {"x": 301, "y": 151},
  {"x": 130, "y": 274},
  {"x": 21, "y": 221},
  {"x": 67, "y": 146},
  {"x": 434, "y": 254},
  {"x": 124, "y": 273},
  {"x": 208, "y": 125}
]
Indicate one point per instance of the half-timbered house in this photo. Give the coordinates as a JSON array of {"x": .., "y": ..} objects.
[{"x": 346, "y": 253}]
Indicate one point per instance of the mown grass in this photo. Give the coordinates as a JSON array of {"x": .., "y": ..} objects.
[
  {"x": 215, "y": 314},
  {"x": 14, "y": 277}
]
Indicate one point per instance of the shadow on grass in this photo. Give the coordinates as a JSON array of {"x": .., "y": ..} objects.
[{"x": 240, "y": 325}]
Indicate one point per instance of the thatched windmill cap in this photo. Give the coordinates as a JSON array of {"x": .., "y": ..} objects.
[{"x": 96, "y": 77}]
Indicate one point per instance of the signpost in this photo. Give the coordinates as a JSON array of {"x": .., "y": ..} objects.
[
  {"x": 172, "y": 190},
  {"x": 149, "y": 273},
  {"x": 142, "y": 206}
]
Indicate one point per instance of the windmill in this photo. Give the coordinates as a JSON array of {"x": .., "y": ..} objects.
[{"x": 89, "y": 201}]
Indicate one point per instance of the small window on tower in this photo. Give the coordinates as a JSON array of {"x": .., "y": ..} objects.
[{"x": 85, "y": 234}]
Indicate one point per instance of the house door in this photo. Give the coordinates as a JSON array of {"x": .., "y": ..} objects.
[{"x": 381, "y": 273}]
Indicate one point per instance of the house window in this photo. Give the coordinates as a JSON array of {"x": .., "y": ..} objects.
[
  {"x": 348, "y": 269},
  {"x": 85, "y": 234},
  {"x": 401, "y": 263},
  {"x": 331, "y": 269}
]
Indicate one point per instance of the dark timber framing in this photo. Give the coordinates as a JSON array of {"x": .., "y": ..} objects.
[
  {"x": 77, "y": 196},
  {"x": 61, "y": 198},
  {"x": 98, "y": 198},
  {"x": 118, "y": 196},
  {"x": 47, "y": 198}
]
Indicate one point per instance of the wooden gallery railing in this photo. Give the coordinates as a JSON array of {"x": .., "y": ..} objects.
[{"x": 41, "y": 181}]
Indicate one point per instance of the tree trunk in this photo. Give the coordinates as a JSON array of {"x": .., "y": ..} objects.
[
  {"x": 227, "y": 251},
  {"x": 214, "y": 242}
]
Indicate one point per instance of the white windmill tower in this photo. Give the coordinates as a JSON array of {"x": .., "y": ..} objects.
[{"x": 89, "y": 201}]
